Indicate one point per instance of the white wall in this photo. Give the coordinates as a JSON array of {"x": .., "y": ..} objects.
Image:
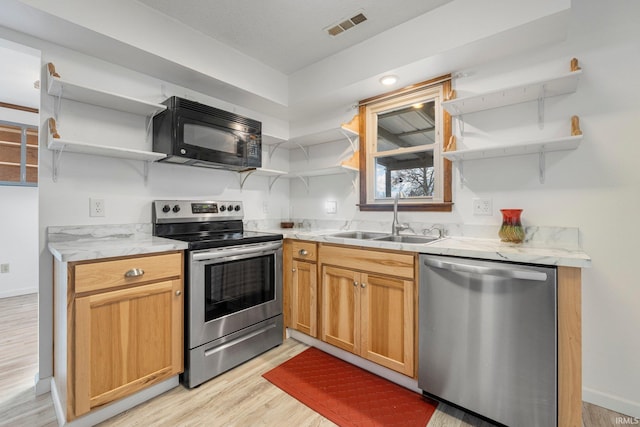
[
  {"x": 19, "y": 212},
  {"x": 19, "y": 237},
  {"x": 595, "y": 188},
  {"x": 120, "y": 182}
]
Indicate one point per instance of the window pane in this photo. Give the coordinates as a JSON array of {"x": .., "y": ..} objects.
[
  {"x": 407, "y": 127},
  {"x": 411, "y": 174}
]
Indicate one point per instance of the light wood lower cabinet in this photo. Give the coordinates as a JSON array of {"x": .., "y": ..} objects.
[
  {"x": 340, "y": 308},
  {"x": 126, "y": 340},
  {"x": 301, "y": 286},
  {"x": 387, "y": 326},
  {"x": 124, "y": 333},
  {"x": 304, "y": 314},
  {"x": 370, "y": 313}
]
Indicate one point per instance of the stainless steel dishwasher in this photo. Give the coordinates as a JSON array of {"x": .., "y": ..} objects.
[{"x": 488, "y": 338}]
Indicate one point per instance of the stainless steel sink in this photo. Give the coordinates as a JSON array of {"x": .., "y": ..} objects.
[
  {"x": 383, "y": 237},
  {"x": 406, "y": 239},
  {"x": 365, "y": 235}
]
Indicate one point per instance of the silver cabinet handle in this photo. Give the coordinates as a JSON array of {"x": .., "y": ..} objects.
[
  {"x": 134, "y": 272},
  {"x": 303, "y": 252},
  {"x": 293, "y": 270},
  {"x": 363, "y": 285},
  {"x": 355, "y": 284},
  {"x": 178, "y": 293},
  {"x": 510, "y": 273}
]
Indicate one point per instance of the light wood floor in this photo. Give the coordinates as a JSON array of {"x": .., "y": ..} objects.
[
  {"x": 240, "y": 397},
  {"x": 19, "y": 405}
]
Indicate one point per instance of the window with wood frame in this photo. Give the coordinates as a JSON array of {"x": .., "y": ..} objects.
[
  {"x": 18, "y": 154},
  {"x": 402, "y": 137}
]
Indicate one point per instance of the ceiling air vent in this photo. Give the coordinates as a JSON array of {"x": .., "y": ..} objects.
[{"x": 346, "y": 24}]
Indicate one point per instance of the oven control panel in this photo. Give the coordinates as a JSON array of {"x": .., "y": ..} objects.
[{"x": 196, "y": 210}]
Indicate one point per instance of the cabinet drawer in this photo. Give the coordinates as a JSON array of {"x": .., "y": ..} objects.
[
  {"x": 390, "y": 263},
  {"x": 304, "y": 250},
  {"x": 109, "y": 274}
]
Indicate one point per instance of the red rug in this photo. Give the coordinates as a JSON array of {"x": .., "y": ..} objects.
[{"x": 349, "y": 395}]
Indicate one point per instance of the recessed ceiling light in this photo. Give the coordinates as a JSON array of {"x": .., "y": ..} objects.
[{"x": 388, "y": 80}]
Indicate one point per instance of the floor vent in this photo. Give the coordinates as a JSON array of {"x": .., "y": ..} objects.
[{"x": 346, "y": 24}]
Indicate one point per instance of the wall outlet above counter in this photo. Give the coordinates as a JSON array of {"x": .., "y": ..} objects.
[{"x": 482, "y": 207}]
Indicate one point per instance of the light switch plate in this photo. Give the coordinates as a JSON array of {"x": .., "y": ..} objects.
[
  {"x": 331, "y": 206},
  {"x": 482, "y": 207}
]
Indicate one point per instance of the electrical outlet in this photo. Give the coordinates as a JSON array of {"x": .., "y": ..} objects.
[
  {"x": 96, "y": 207},
  {"x": 482, "y": 207},
  {"x": 331, "y": 206},
  {"x": 4, "y": 268},
  {"x": 265, "y": 207}
]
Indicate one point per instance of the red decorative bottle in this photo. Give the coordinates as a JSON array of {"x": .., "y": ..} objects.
[{"x": 511, "y": 230}]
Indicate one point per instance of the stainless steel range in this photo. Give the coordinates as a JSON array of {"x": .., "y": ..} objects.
[{"x": 233, "y": 303}]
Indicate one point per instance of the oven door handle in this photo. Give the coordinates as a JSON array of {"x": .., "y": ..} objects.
[{"x": 231, "y": 251}]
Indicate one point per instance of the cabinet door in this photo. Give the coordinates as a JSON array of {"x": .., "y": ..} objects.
[
  {"x": 304, "y": 295},
  {"x": 387, "y": 328},
  {"x": 126, "y": 340},
  {"x": 340, "y": 308}
]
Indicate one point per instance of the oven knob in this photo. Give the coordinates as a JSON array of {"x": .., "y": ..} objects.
[
  {"x": 223, "y": 208},
  {"x": 237, "y": 208},
  {"x": 166, "y": 208},
  {"x": 176, "y": 208},
  {"x": 230, "y": 208}
]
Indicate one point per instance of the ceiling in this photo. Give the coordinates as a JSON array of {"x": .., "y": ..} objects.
[{"x": 289, "y": 35}]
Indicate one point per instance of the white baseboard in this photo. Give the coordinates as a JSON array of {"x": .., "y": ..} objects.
[
  {"x": 610, "y": 401},
  {"x": 57, "y": 404},
  {"x": 99, "y": 415},
  {"x": 17, "y": 292},
  {"x": 43, "y": 385}
]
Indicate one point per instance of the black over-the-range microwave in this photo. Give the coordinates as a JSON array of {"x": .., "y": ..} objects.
[{"x": 194, "y": 134}]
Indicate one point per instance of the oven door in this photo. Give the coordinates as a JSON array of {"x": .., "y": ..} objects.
[{"x": 232, "y": 288}]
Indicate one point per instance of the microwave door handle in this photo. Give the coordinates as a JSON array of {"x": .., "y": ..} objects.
[{"x": 509, "y": 273}]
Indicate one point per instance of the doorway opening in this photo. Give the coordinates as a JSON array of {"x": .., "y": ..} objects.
[{"x": 19, "y": 229}]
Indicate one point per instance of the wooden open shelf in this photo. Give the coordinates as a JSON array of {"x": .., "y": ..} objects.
[
  {"x": 57, "y": 86},
  {"x": 532, "y": 91},
  {"x": 516, "y": 149},
  {"x": 101, "y": 150}
]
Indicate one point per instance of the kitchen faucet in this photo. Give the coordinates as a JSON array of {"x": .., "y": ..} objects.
[{"x": 396, "y": 227}]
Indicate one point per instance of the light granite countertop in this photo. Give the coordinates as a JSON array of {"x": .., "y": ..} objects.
[
  {"x": 81, "y": 243},
  {"x": 471, "y": 247},
  {"x": 551, "y": 246}
]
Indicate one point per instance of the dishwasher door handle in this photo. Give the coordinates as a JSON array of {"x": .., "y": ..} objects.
[{"x": 509, "y": 273}]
